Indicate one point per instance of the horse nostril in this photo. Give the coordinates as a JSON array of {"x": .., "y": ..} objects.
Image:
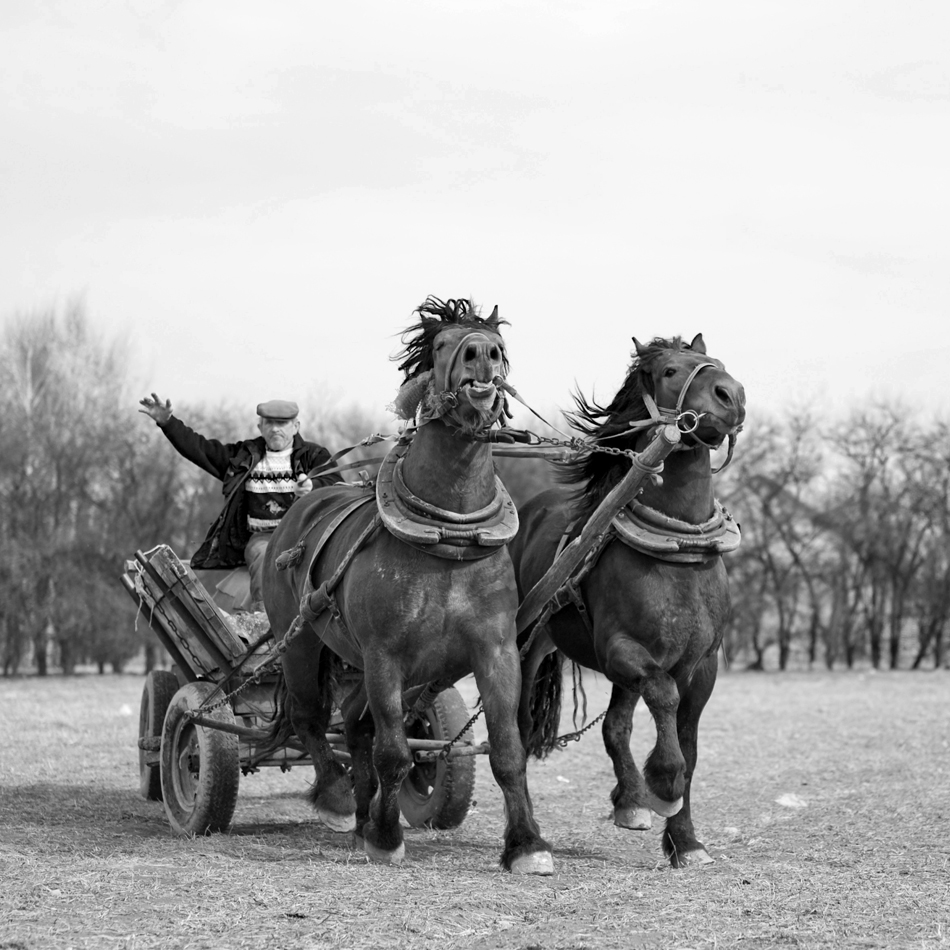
[{"x": 724, "y": 395}]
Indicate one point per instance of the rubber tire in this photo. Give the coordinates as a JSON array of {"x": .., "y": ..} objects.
[
  {"x": 438, "y": 794},
  {"x": 160, "y": 687},
  {"x": 200, "y": 766}
]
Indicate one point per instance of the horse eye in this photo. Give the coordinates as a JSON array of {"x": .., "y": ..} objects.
[{"x": 669, "y": 371}]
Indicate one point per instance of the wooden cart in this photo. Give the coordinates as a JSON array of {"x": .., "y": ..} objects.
[{"x": 191, "y": 758}]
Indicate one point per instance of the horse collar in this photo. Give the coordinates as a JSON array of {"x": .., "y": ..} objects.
[
  {"x": 442, "y": 533},
  {"x": 668, "y": 539}
]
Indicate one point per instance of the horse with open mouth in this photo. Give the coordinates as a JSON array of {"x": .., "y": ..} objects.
[
  {"x": 648, "y": 606},
  {"x": 416, "y": 590}
]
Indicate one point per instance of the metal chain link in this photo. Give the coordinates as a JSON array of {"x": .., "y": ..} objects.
[
  {"x": 447, "y": 748},
  {"x": 579, "y": 446},
  {"x": 276, "y": 652},
  {"x": 562, "y": 741}
]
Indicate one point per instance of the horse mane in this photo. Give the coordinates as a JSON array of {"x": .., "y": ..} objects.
[
  {"x": 594, "y": 474},
  {"x": 435, "y": 315}
]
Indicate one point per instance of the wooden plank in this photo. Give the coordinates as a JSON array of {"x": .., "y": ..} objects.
[
  {"x": 666, "y": 439},
  {"x": 138, "y": 586},
  {"x": 200, "y": 653},
  {"x": 187, "y": 589}
]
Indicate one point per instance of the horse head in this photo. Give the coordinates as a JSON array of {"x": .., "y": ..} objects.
[
  {"x": 454, "y": 361},
  {"x": 692, "y": 387}
]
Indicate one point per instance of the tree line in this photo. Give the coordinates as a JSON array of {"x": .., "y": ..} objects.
[
  {"x": 845, "y": 557},
  {"x": 846, "y": 540}
]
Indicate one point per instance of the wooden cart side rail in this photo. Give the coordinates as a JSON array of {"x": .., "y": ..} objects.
[
  {"x": 165, "y": 618},
  {"x": 154, "y": 615},
  {"x": 193, "y": 597},
  {"x": 183, "y": 618}
]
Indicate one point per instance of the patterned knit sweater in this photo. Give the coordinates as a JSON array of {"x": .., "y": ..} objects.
[{"x": 270, "y": 490}]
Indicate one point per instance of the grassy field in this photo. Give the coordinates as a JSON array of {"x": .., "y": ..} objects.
[{"x": 824, "y": 798}]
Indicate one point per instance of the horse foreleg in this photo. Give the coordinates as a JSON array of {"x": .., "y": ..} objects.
[
  {"x": 359, "y": 730},
  {"x": 382, "y": 833},
  {"x": 679, "y": 838},
  {"x": 629, "y": 665},
  {"x": 499, "y": 684},
  {"x": 630, "y": 792}
]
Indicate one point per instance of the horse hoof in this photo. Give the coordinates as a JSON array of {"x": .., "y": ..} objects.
[
  {"x": 662, "y": 808},
  {"x": 636, "y": 819},
  {"x": 538, "y": 862},
  {"x": 341, "y": 824},
  {"x": 384, "y": 857},
  {"x": 693, "y": 859}
]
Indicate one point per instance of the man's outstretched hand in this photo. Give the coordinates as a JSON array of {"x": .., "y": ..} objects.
[{"x": 160, "y": 411}]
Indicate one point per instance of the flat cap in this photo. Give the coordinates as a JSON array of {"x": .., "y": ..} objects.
[{"x": 277, "y": 409}]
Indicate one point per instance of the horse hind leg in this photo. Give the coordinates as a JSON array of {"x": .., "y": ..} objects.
[
  {"x": 332, "y": 793},
  {"x": 630, "y": 793},
  {"x": 679, "y": 837},
  {"x": 359, "y": 727}
]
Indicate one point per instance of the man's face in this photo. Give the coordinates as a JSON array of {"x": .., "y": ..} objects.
[{"x": 278, "y": 433}]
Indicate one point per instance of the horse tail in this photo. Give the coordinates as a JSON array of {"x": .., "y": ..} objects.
[
  {"x": 280, "y": 726},
  {"x": 545, "y": 706}
]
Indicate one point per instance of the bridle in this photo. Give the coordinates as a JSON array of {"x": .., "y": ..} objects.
[
  {"x": 458, "y": 349},
  {"x": 446, "y": 399},
  {"x": 686, "y": 420}
]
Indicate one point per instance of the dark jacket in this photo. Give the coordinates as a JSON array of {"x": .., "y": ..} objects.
[{"x": 232, "y": 463}]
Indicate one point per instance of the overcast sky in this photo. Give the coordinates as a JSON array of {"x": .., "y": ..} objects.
[{"x": 259, "y": 194}]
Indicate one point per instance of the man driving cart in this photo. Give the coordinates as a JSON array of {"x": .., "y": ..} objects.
[{"x": 262, "y": 477}]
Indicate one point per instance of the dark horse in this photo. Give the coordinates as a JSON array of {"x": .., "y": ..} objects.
[
  {"x": 649, "y": 613},
  {"x": 428, "y": 597}
]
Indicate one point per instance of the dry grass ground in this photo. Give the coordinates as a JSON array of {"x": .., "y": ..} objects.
[{"x": 859, "y": 857}]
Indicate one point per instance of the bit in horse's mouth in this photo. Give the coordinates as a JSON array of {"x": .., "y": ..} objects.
[
  {"x": 725, "y": 426},
  {"x": 479, "y": 392}
]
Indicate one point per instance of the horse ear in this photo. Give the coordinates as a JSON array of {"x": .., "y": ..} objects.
[
  {"x": 641, "y": 349},
  {"x": 493, "y": 319},
  {"x": 698, "y": 344}
]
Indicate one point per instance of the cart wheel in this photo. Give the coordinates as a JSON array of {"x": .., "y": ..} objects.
[
  {"x": 200, "y": 765},
  {"x": 160, "y": 687},
  {"x": 438, "y": 794}
]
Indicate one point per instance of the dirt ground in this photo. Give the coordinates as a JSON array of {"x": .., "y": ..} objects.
[{"x": 824, "y": 799}]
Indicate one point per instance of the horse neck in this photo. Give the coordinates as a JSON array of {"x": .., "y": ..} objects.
[
  {"x": 686, "y": 492},
  {"x": 448, "y": 471}
]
